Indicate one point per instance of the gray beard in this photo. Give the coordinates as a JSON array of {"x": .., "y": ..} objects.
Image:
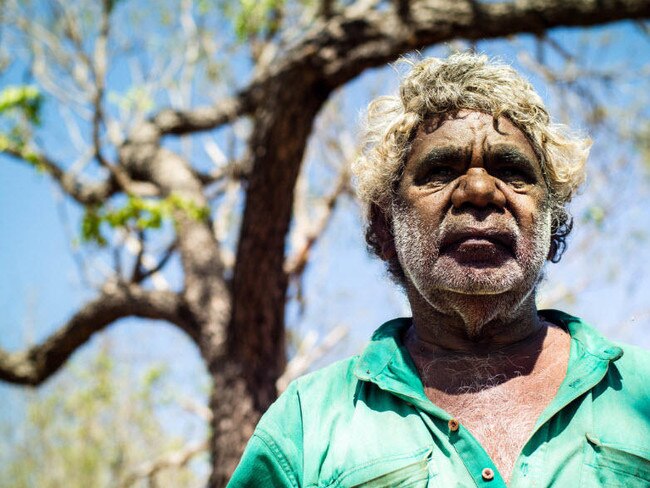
[{"x": 435, "y": 276}]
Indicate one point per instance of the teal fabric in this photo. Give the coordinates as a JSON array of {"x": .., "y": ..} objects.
[{"x": 366, "y": 421}]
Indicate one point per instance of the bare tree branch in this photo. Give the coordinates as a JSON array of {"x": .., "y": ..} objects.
[
  {"x": 99, "y": 73},
  {"x": 116, "y": 301},
  {"x": 296, "y": 264},
  {"x": 235, "y": 171},
  {"x": 169, "y": 121},
  {"x": 141, "y": 273},
  {"x": 84, "y": 193},
  {"x": 326, "y": 9},
  {"x": 176, "y": 459},
  {"x": 197, "y": 408},
  {"x": 72, "y": 32},
  {"x": 137, "y": 266},
  {"x": 361, "y": 37},
  {"x": 308, "y": 353}
]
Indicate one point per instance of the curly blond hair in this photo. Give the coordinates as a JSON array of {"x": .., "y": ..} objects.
[{"x": 440, "y": 87}]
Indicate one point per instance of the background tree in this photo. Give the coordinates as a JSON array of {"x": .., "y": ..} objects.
[
  {"x": 95, "y": 428},
  {"x": 138, "y": 88}
]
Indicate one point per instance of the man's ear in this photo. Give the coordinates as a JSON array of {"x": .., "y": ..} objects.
[{"x": 383, "y": 230}]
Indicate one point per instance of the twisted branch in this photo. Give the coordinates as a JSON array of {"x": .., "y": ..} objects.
[{"x": 36, "y": 364}]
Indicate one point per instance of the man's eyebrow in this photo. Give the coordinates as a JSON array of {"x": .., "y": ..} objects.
[
  {"x": 439, "y": 155},
  {"x": 511, "y": 155}
]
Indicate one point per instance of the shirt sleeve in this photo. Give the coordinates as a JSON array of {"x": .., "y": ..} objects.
[
  {"x": 273, "y": 456},
  {"x": 263, "y": 464}
]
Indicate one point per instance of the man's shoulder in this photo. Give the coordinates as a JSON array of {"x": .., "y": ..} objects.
[
  {"x": 337, "y": 378},
  {"x": 634, "y": 368},
  {"x": 318, "y": 394},
  {"x": 630, "y": 365},
  {"x": 597, "y": 343},
  {"x": 634, "y": 355}
]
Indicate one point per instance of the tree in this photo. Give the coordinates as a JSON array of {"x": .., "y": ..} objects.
[
  {"x": 97, "y": 430},
  {"x": 138, "y": 169}
]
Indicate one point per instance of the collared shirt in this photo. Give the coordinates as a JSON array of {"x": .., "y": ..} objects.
[{"x": 367, "y": 421}]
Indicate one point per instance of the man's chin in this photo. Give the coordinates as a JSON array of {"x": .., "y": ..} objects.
[
  {"x": 478, "y": 290},
  {"x": 479, "y": 278}
]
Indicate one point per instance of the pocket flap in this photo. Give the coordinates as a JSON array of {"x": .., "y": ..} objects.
[
  {"x": 626, "y": 461},
  {"x": 402, "y": 477}
]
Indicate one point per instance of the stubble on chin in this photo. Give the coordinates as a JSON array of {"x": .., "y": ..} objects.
[{"x": 478, "y": 294}]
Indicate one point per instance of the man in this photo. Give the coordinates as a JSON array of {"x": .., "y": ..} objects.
[{"x": 465, "y": 181}]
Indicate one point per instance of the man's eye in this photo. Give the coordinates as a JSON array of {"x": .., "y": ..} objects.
[
  {"x": 437, "y": 174},
  {"x": 512, "y": 175}
]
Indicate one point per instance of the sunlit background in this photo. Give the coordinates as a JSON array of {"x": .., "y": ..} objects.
[{"x": 144, "y": 383}]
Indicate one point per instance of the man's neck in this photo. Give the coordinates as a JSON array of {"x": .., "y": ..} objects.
[{"x": 479, "y": 324}]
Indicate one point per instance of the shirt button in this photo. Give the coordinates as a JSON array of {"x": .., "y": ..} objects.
[
  {"x": 453, "y": 425},
  {"x": 487, "y": 474}
]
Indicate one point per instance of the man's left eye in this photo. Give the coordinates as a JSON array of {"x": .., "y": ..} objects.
[
  {"x": 437, "y": 174},
  {"x": 512, "y": 175}
]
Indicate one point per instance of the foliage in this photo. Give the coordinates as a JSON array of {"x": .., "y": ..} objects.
[
  {"x": 137, "y": 214},
  {"x": 91, "y": 429},
  {"x": 252, "y": 17},
  {"x": 20, "y": 109},
  {"x": 25, "y": 99},
  {"x": 14, "y": 140}
]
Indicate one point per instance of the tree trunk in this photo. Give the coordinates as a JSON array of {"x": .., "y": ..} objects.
[
  {"x": 255, "y": 356},
  {"x": 234, "y": 419}
]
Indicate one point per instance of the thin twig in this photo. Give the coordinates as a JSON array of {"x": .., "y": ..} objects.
[
  {"x": 308, "y": 354},
  {"x": 297, "y": 263},
  {"x": 176, "y": 459},
  {"x": 146, "y": 273},
  {"x": 84, "y": 193}
]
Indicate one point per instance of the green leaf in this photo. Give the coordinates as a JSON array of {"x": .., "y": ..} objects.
[
  {"x": 254, "y": 16},
  {"x": 138, "y": 213},
  {"x": 90, "y": 227},
  {"x": 23, "y": 98}
]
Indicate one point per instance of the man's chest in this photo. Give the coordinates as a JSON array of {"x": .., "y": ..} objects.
[{"x": 501, "y": 418}]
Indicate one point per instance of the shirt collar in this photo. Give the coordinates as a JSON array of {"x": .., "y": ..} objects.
[
  {"x": 386, "y": 361},
  {"x": 384, "y": 344},
  {"x": 589, "y": 338}
]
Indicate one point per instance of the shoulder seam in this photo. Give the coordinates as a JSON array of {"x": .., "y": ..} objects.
[{"x": 279, "y": 456}]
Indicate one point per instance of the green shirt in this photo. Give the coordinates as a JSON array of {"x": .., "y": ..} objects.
[{"x": 366, "y": 421}]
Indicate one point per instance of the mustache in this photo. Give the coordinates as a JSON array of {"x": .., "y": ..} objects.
[
  {"x": 499, "y": 228},
  {"x": 503, "y": 231}
]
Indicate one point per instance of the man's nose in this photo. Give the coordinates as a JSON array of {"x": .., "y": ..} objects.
[{"x": 477, "y": 187}]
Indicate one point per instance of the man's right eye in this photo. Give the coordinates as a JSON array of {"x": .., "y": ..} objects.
[{"x": 437, "y": 174}]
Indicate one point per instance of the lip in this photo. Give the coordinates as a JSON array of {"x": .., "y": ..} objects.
[{"x": 477, "y": 236}]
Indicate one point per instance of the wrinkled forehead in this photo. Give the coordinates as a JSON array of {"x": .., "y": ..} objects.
[{"x": 468, "y": 128}]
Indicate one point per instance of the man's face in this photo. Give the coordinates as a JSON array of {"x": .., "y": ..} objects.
[{"x": 472, "y": 216}]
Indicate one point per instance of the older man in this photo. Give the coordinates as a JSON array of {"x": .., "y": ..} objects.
[{"x": 465, "y": 181}]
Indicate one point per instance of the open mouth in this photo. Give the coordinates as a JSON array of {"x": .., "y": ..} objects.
[{"x": 487, "y": 246}]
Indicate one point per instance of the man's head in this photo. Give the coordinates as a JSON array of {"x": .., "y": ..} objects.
[{"x": 465, "y": 179}]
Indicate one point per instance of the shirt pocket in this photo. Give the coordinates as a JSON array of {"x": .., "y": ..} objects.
[
  {"x": 613, "y": 465},
  {"x": 412, "y": 474},
  {"x": 415, "y": 475}
]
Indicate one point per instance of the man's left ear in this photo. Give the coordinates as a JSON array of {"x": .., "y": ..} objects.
[{"x": 382, "y": 227}]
